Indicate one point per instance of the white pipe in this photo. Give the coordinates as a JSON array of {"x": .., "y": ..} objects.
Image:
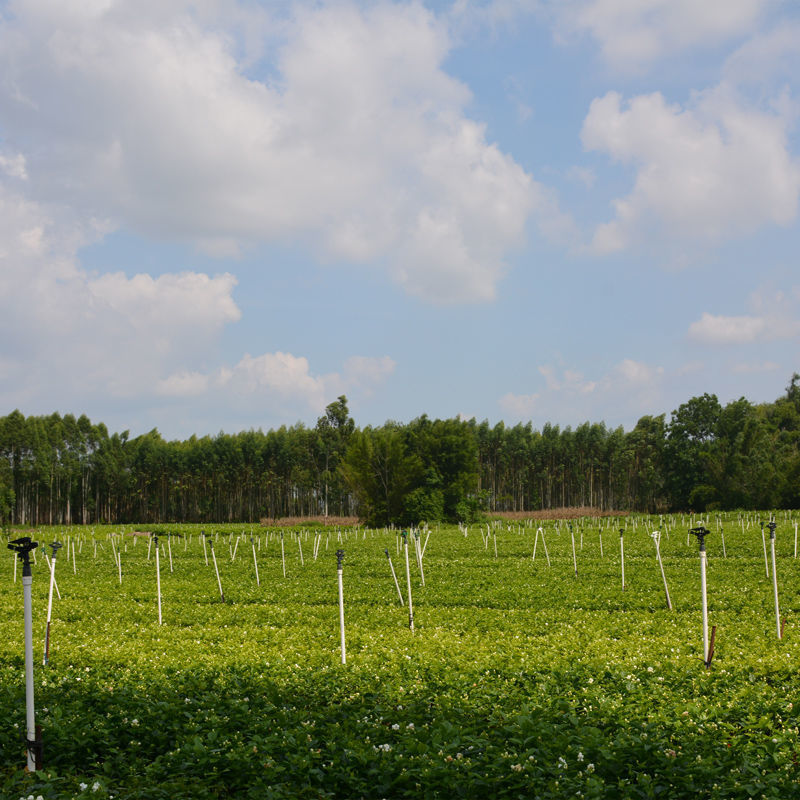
[
  {"x": 394, "y": 575},
  {"x": 49, "y": 607},
  {"x": 255, "y": 561},
  {"x": 216, "y": 569},
  {"x": 775, "y": 579},
  {"x": 657, "y": 538},
  {"x": 574, "y": 559},
  {"x": 703, "y": 591},
  {"x": 341, "y": 611},
  {"x": 408, "y": 581},
  {"x": 158, "y": 584}
]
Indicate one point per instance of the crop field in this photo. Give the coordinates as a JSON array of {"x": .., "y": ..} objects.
[{"x": 521, "y": 679}]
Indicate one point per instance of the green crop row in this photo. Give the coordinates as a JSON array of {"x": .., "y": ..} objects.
[{"x": 520, "y": 679}]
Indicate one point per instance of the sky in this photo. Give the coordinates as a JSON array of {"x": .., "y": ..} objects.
[{"x": 222, "y": 215}]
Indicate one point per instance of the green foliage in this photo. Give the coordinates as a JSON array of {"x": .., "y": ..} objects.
[
  {"x": 63, "y": 470},
  {"x": 520, "y": 680}
]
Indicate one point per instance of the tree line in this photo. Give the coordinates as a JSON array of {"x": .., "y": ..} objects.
[{"x": 64, "y": 470}]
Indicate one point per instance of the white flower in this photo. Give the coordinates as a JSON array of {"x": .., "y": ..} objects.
[
  {"x": 134, "y": 722},
  {"x": 516, "y": 767},
  {"x": 95, "y": 786},
  {"x": 580, "y": 756},
  {"x": 410, "y": 726},
  {"x": 590, "y": 767},
  {"x": 82, "y": 786},
  {"x": 396, "y": 727},
  {"x": 562, "y": 762}
]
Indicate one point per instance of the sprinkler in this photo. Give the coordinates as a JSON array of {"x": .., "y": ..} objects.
[
  {"x": 23, "y": 548},
  {"x": 701, "y": 534},
  {"x": 154, "y": 539},
  {"x": 339, "y": 559}
]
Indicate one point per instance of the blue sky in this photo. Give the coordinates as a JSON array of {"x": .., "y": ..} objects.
[{"x": 220, "y": 215}]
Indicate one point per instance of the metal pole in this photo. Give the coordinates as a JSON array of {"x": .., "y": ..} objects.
[
  {"x": 408, "y": 581},
  {"x": 283, "y": 556},
  {"x": 397, "y": 585},
  {"x": 764, "y": 542},
  {"x": 339, "y": 557},
  {"x": 622, "y": 555},
  {"x": 23, "y": 547},
  {"x": 772, "y": 527}
]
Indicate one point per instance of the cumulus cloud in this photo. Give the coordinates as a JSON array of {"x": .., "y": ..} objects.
[
  {"x": 749, "y": 368},
  {"x": 775, "y": 317},
  {"x": 88, "y": 333},
  {"x": 767, "y": 56},
  {"x": 347, "y": 134},
  {"x": 281, "y": 380},
  {"x": 629, "y": 386},
  {"x": 632, "y": 35},
  {"x": 718, "y": 329},
  {"x": 713, "y": 169}
]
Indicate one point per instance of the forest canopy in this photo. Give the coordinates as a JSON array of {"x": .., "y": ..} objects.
[{"x": 61, "y": 469}]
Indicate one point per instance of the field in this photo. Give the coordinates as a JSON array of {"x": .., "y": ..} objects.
[{"x": 520, "y": 680}]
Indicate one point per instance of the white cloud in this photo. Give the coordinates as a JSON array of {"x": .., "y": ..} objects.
[
  {"x": 109, "y": 334},
  {"x": 767, "y": 57},
  {"x": 519, "y": 406},
  {"x": 630, "y": 387},
  {"x": 712, "y": 329},
  {"x": 711, "y": 170},
  {"x": 755, "y": 368},
  {"x": 632, "y": 34},
  {"x": 357, "y": 142},
  {"x": 775, "y": 317},
  {"x": 278, "y": 381},
  {"x": 14, "y": 166}
]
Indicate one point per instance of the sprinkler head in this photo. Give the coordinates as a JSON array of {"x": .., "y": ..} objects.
[
  {"x": 772, "y": 527},
  {"x": 701, "y": 534},
  {"x": 339, "y": 558},
  {"x": 22, "y": 547},
  {"x": 387, "y": 552},
  {"x": 56, "y": 546}
]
